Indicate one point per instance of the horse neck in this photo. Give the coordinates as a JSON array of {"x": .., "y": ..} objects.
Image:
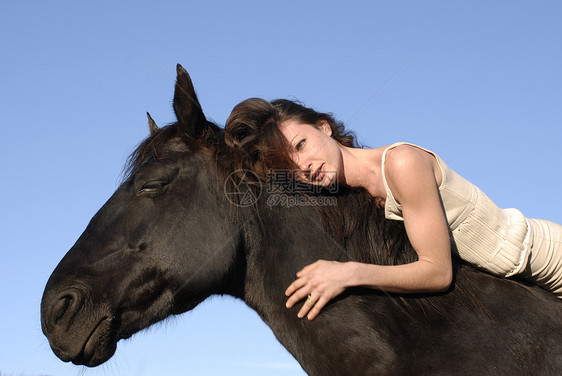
[{"x": 278, "y": 243}]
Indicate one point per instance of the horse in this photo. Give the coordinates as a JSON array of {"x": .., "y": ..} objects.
[{"x": 169, "y": 237}]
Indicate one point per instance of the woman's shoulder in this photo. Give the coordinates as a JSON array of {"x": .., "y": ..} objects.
[
  {"x": 404, "y": 162},
  {"x": 404, "y": 154},
  {"x": 410, "y": 167}
]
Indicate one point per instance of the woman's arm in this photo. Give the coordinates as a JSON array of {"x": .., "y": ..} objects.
[{"x": 413, "y": 179}]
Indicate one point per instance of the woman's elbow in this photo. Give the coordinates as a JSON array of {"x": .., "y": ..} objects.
[
  {"x": 438, "y": 277},
  {"x": 443, "y": 280}
]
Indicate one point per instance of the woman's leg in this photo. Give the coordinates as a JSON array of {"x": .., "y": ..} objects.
[{"x": 545, "y": 259}]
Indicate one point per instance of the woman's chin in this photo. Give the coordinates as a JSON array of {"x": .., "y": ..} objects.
[{"x": 326, "y": 180}]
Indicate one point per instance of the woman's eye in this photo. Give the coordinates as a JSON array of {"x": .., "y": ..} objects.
[{"x": 300, "y": 145}]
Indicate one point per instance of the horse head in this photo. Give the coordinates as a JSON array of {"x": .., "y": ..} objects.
[{"x": 129, "y": 268}]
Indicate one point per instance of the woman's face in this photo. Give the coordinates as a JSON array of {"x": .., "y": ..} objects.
[{"x": 316, "y": 153}]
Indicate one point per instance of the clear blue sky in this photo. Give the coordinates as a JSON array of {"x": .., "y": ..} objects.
[{"x": 482, "y": 88}]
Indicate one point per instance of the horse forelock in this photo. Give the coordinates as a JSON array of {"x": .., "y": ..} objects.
[{"x": 169, "y": 138}]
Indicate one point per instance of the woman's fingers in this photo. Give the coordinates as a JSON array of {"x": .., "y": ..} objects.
[
  {"x": 297, "y": 295},
  {"x": 297, "y": 284},
  {"x": 307, "y": 306},
  {"x": 307, "y": 269},
  {"x": 315, "y": 310},
  {"x": 312, "y": 307},
  {"x": 301, "y": 281},
  {"x": 317, "y": 283}
]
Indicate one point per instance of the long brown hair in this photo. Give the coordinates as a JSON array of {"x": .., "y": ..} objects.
[{"x": 253, "y": 130}]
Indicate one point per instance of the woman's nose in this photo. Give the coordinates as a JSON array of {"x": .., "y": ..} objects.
[{"x": 304, "y": 165}]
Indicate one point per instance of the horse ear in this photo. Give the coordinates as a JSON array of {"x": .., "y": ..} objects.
[
  {"x": 151, "y": 125},
  {"x": 186, "y": 105}
]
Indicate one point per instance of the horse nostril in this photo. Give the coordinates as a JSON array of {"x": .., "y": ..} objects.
[{"x": 65, "y": 308}]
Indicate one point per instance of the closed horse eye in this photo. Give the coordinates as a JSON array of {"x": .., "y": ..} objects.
[{"x": 153, "y": 187}]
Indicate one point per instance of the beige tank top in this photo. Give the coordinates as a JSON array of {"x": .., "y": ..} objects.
[{"x": 494, "y": 239}]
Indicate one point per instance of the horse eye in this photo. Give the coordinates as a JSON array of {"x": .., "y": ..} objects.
[{"x": 153, "y": 187}]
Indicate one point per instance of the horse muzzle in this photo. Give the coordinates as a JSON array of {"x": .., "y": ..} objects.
[{"x": 76, "y": 332}]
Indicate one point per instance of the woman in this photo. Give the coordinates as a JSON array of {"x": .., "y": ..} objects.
[{"x": 413, "y": 185}]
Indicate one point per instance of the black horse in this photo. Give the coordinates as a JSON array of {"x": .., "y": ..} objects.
[{"x": 169, "y": 238}]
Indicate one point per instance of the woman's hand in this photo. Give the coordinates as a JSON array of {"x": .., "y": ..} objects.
[{"x": 318, "y": 283}]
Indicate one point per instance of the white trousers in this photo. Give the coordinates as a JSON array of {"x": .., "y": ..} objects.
[{"x": 545, "y": 260}]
